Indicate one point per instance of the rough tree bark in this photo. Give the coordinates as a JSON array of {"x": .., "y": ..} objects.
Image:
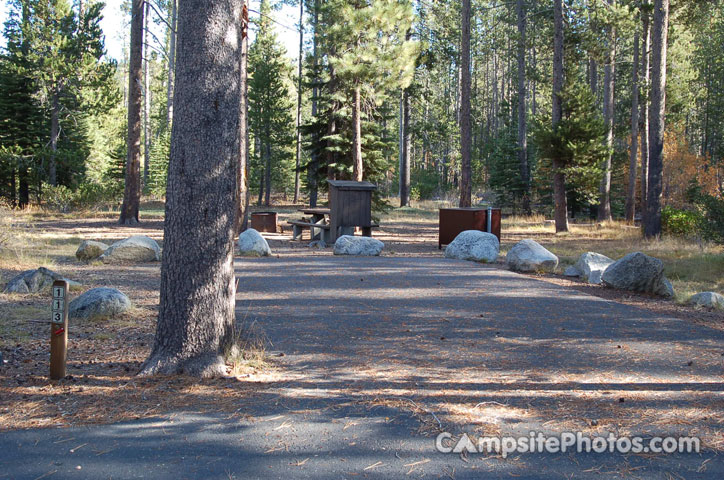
[
  {"x": 299, "y": 102},
  {"x": 652, "y": 225},
  {"x": 314, "y": 160},
  {"x": 522, "y": 108},
  {"x": 633, "y": 150},
  {"x": 559, "y": 177},
  {"x": 196, "y": 313},
  {"x": 132, "y": 192},
  {"x": 466, "y": 185},
  {"x": 609, "y": 81},
  {"x": 644, "y": 133},
  {"x": 358, "y": 167}
]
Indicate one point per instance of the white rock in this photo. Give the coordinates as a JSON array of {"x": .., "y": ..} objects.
[
  {"x": 136, "y": 249},
  {"x": 708, "y": 300},
  {"x": 99, "y": 303},
  {"x": 639, "y": 273},
  {"x": 360, "y": 246},
  {"x": 34, "y": 281},
  {"x": 252, "y": 244},
  {"x": 529, "y": 256},
  {"x": 90, "y": 250},
  {"x": 475, "y": 246},
  {"x": 595, "y": 277},
  {"x": 591, "y": 262}
]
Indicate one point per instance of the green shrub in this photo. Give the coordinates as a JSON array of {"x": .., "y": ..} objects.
[{"x": 679, "y": 222}]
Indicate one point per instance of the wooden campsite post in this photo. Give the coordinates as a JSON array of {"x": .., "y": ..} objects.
[{"x": 59, "y": 330}]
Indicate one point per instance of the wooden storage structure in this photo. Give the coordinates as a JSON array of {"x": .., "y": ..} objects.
[{"x": 350, "y": 206}]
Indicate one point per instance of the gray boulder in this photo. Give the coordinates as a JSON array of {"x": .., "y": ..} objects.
[
  {"x": 572, "y": 271},
  {"x": 252, "y": 244},
  {"x": 475, "y": 246},
  {"x": 639, "y": 273},
  {"x": 90, "y": 250},
  {"x": 359, "y": 246},
  {"x": 590, "y": 262},
  {"x": 707, "y": 300},
  {"x": 136, "y": 249},
  {"x": 529, "y": 256},
  {"x": 595, "y": 277},
  {"x": 35, "y": 281},
  {"x": 99, "y": 303}
]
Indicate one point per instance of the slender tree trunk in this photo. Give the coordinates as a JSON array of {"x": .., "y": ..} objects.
[
  {"x": 267, "y": 168},
  {"x": 559, "y": 177},
  {"x": 646, "y": 77},
  {"x": 466, "y": 180},
  {"x": 522, "y": 108},
  {"x": 609, "y": 79},
  {"x": 146, "y": 97},
  {"x": 23, "y": 184},
  {"x": 312, "y": 172},
  {"x": 54, "y": 134},
  {"x": 358, "y": 167},
  {"x": 132, "y": 192},
  {"x": 633, "y": 151},
  {"x": 652, "y": 225},
  {"x": 171, "y": 64},
  {"x": 196, "y": 313},
  {"x": 299, "y": 102},
  {"x": 242, "y": 171},
  {"x": 405, "y": 144}
]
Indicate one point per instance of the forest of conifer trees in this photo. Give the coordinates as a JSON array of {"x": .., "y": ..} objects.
[{"x": 607, "y": 109}]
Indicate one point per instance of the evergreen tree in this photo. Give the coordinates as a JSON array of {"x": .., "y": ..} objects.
[{"x": 270, "y": 110}]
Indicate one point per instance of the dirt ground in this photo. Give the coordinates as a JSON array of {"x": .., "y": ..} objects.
[{"x": 101, "y": 386}]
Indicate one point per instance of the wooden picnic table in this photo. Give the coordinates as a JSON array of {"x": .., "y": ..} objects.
[
  {"x": 319, "y": 216},
  {"x": 316, "y": 213}
]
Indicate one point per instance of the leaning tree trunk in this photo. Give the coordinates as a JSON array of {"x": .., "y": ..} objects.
[
  {"x": 609, "y": 79},
  {"x": 132, "y": 192},
  {"x": 559, "y": 177},
  {"x": 652, "y": 225},
  {"x": 522, "y": 109},
  {"x": 646, "y": 77},
  {"x": 196, "y": 314},
  {"x": 358, "y": 167},
  {"x": 633, "y": 151},
  {"x": 466, "y": 185}
]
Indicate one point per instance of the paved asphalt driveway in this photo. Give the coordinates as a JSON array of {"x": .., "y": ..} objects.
[{"x": 381, "y": 354}]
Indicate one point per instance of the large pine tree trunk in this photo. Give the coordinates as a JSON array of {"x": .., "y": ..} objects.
[
  {"x": 299, "y": 102},
  {"x": 358, "y": 167},
  {"x": 267, "y": 168},
  {"x": 633, "y": 151},
  {"x": 559, "y": 177},
  {"x": 466, "y": 185},
  {"x": 522, "y": 108},
  {"x": 652, "y": 225},
  {"x": 196, "y": 314},
  {"x": 644, "y": 133},
  {"x": 132, "y": 192},
  {"x": 609, "y": 79}
]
